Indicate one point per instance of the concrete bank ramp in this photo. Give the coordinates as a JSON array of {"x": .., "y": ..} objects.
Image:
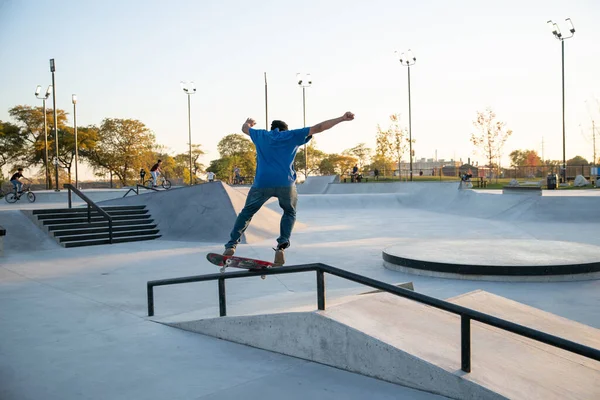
[
  {"x": 405, "y": 342},
  {"x": 22, "y": 235},
  {"x": 317, "y": 184},
  {"x": 444, "y": 197},
  {"x": 203, "y": 213}
]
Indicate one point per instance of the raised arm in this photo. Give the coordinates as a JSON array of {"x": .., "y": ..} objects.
[
  {"x": 330, "y": 123},
  {"x": 247, "y": 125}
]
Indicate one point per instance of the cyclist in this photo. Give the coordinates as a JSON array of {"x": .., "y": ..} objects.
[
  {"x": 16, "y": 181},
  {"x": 155, "y": 172}
]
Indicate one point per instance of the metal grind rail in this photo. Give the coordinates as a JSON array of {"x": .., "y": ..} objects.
[
  {"x": 90, "y": 205},
  {"x": 137, "y": 189},
  {"x": 466, "y": 314}
]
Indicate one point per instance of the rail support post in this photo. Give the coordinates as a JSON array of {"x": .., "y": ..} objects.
[
  {"x": 150, "y": 290},
  {"x": 320, "y": 289},
  {"x": 465, "y": 343},
  {"x": 222, "y": 298}
]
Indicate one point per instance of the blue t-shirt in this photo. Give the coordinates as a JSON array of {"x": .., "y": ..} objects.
[{"x": 276, "y": 151}]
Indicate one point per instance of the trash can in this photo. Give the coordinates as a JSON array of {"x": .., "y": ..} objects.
[{"x": 551, "y": 181}]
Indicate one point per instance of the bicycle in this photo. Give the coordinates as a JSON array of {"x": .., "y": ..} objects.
[
  {"x": 160, "y": 181},
  {"x": 14, "y": 196}
]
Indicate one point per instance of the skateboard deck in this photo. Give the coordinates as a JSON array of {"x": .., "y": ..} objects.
[{"x": 250, "y": 264}]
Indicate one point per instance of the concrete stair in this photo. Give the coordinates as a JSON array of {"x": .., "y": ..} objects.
[{"x": 70, "y": 226}]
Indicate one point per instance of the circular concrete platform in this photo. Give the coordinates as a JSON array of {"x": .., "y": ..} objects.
[{"x": 497, "y": 260}]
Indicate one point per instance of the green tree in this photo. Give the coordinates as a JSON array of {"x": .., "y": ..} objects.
[
  {"x": 393, "y": 142},
  {"x": 361, "y": 152},
  {"x": 30, "y": 121},
  {"x": 381, "y": 164},
  {"x": 336, "y": 164},
  {"x": 86, "y": 141},
  {"x": 490, "y": 136},
  {"x": 124, "y": 146},
  {"x": 314, "y": 159},
  {"x": 12, "y": 144},
  {"x": 578, "y": 160},
  {"x": 525, "y": 158},
  {"x": 182, "y": 163},
  {"x": 234, "y": 150}
]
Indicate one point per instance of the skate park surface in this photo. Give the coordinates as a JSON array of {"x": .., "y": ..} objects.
[{"x": 74, "y": 322}]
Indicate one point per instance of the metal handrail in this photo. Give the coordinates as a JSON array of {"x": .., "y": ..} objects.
[
  {"x": 137, "y": 189},
  {"x": 90, "y": 205},
  {"x": 466, "y": 314}
]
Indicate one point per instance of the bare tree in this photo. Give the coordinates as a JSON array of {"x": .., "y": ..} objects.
[
  {"x": 393, "y": 142},
  {"x": 490, "y": 136}
]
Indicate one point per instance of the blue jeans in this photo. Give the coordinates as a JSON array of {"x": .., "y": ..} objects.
[
  {"x": 288, "y": 199},
  {"x": 17, "y": 185}
]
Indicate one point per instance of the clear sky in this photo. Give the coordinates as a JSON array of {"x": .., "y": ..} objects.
[{"x": 125, "y": 59}]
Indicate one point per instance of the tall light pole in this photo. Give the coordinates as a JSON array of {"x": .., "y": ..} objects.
[
  {"x": 74, "y": 100},
  {"x": 189, "y": 88},
  {"x": 38, "y": 90},
  {"x": 304, "y": 81},
  {"x": 408, "y": 60},
  {"x": 556, "y": 32},
  {"x": 53, "y": 69}
]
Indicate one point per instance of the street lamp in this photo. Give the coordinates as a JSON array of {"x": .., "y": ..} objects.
[
  {"x": 556, "y": 32},
  {"x": 408, "y": 60},
  {"x": 38, "y": 90},
  {"x": 304, "y": 81},
  {"x": 74, "y": 100},
  {"x": 189, "y": 88},
  {"x": 53, "y": 69}
]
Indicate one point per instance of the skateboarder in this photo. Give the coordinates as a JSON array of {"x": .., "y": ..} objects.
[{"x": 275, "y": 177}]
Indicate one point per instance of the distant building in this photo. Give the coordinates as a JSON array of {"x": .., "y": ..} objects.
[{"x": 430, "y": 167}]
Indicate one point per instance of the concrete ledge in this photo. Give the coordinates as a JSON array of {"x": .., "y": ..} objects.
[
  {"x": 498, "y": 260},
  {"x": 528, "y": 190}
]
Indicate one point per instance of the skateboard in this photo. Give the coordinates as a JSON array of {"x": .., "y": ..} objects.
[{"x": 238, "y": 262}]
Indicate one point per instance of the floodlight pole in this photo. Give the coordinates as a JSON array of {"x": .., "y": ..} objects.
[
  {"x": 558, "y": 35},
  {"x": 408, "y": 60},
  {"x": 74, "y": 100},
  {"x": 189, "y": 89},
  {"x": 53, "y": 69},
  {"x": 44, "y": 98},
  {"x": 304, "y": 81}
]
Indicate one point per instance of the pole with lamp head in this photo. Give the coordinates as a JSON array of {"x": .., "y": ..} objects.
[
  {"x": 55, "y": 127},
  {"x": 408, "y": 60},
  {"x": 74, "y": 100},
  {"x": 189, "y": 88},
  {"x": 558, "y": 35},
  {"x": 304, "y": 81},
  {"x": 38, "y": 90}
]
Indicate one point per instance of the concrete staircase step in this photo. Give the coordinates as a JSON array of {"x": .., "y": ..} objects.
[
  {"x": 96, "y": 242},
  {"x": 105, "y": 235},
  {"x": 112, "y": 213},
  {"x": 84, "y": 209},
  {"x": 102, "y": 229},
  {"x": 93, "y": 219},
  {"x": 100, "y": 224}
]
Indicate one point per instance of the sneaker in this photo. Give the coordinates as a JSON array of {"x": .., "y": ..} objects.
[
  {"x": 279, "y": 258},
  {"x": 280, "y": 255},
  {"x": 229, "y": 251}
]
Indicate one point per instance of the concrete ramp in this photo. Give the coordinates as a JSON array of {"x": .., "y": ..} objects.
[
  {"x": 531, "y": 317},
  {"x": 204, "y": 213},
  {"x": 404, "y": 342},
  {"x": 22, "y": 235},
  {"x": 317, "y": 184}
]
